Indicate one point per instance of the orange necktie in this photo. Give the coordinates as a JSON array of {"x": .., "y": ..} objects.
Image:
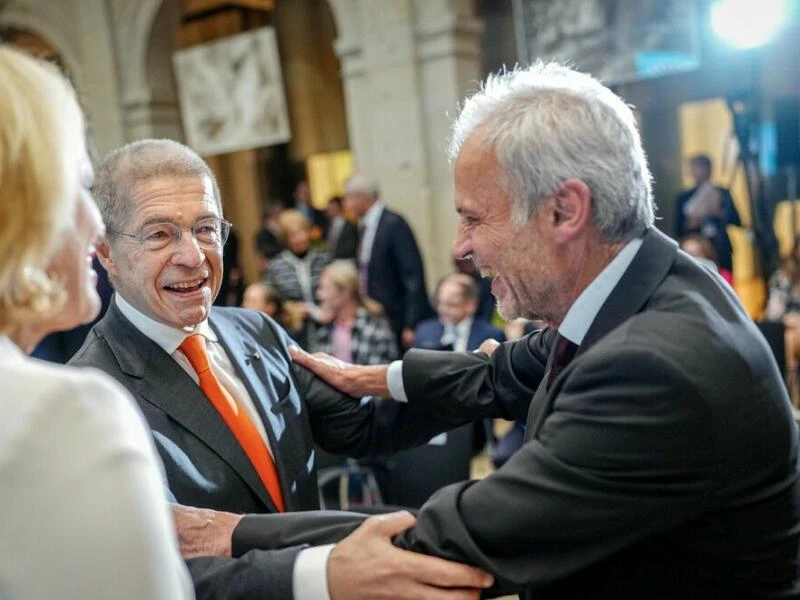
[{"x": 194, "y": 347}]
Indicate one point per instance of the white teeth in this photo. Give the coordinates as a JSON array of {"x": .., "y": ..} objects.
[{"x": 185, "y": 286}]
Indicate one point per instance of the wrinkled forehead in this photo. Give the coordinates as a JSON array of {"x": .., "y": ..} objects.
[{"x": 172, "y": 197}]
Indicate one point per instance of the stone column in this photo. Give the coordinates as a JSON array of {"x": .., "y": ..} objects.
[
  {"x": 79, "y": 34},
  {"x": 406, "y": 64},
  {"x": 146, "y": 37},
  {"x": 100, "y": 86}
]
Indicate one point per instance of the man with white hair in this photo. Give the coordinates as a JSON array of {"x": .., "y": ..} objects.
[
  {"x": 660, "y": 457},
  {"x": 389, "y": 262}
]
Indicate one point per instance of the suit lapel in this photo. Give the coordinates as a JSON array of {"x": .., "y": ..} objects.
[
  {"x": 163, "y": 383},
  {"x": 541, "y": 404},
  {"x": 271, "y": 389},
  {"x": 475, "y": 334},
  {"x": 379, "y": 240},
  {"x": 648, "y": 270}
]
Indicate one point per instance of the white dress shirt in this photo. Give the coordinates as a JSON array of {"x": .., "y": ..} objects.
[
  {"x": 83, "y": 514},
  {"x": 170, "y": 338},
  {"x": 310, "y": 575},
  {"x": 370, "y": 224},
  {"x": 334, "y": 231},
  {"x": 457, "y": 335},
  {"x": 582, "y": 313},
  {"x": 577, "y": 321}
]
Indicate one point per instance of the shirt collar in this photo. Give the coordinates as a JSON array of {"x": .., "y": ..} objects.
[
  {"x": 582, "y": 313},
  {"x": 373, "y": 215},
  {"x": 168, "y": 337},
  {"x": 463, "y": 326}
]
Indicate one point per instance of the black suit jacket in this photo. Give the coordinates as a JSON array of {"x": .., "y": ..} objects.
[
  {"x": 346, "y": 244},
  {"x": 662, "y": 463},
  {"x": 718, "y": 225},
  {"x": 395, "y": 275},
  {"x": 204, "y": 464}
]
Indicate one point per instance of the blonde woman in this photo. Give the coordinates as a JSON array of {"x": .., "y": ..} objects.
[
  {"x": 83, "y": 508},
  {"x": 295, "y": 272},
  {"x": 354, "y": 328}
]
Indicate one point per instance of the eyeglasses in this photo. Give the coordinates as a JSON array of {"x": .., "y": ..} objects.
[{"x": 210, "y": 232}]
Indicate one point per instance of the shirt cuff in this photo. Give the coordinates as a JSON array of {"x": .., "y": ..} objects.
[
  {"x": 394, "y": 381},
  {"x": 310, "y": 574}
]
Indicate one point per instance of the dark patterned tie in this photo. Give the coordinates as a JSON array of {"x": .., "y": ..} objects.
[
  {"x": 563, "y": 353},
  {"x": 363, "y": 267}
]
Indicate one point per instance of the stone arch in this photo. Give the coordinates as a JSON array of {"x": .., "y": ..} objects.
[
  {"x": 135, "y": 24},
  {"x": 55, "y": 25}
]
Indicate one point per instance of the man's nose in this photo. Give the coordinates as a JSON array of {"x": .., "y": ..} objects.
[
  {"x": 460, "y": 246},
  {"x": 187, "y": 251}
]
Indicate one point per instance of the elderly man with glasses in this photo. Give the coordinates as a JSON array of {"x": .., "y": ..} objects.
[{"x": 234, "y": 421}]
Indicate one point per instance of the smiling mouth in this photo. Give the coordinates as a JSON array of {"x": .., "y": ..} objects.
[{"x": 186, "y": 287}]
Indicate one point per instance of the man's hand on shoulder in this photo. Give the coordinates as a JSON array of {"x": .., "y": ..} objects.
[
  {"x": 366, "y": 566},
  {"x": 354, "y": 380}
]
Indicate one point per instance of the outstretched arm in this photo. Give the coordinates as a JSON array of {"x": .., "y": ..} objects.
[{"x": 362, "y": 566}]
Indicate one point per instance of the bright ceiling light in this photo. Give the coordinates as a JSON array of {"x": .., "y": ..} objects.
[{"x": 747, "y": 24}]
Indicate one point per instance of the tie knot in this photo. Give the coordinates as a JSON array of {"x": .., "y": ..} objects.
[{"x": 194, "y": 348}]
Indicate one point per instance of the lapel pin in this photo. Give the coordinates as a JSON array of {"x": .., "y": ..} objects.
[{"x": 256, "y": 356}]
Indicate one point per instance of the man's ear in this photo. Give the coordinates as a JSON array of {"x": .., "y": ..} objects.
[
  {"x": 571, "y": 209},
  {"x": 104, "y": 256}
]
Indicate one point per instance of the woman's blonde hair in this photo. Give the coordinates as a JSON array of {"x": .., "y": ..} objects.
[
  {"x": 344, "y": 276},
  {"x": 291, "y": 219},
  {"x": 41, "y": 144}
]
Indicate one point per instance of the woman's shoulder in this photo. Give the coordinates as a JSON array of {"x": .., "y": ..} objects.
[
  {"x": 64, "y": 400},
  {"x": 321, "y": 256},
  {"x": 280, "y": 260},
  {"x": 373, "y": 318}
]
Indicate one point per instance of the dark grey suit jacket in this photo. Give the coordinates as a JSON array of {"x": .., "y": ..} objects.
[
  {"x": 396, "y": 275},
  {"x": 204, "y": 464},
  {"x": 662, "y": 463}
]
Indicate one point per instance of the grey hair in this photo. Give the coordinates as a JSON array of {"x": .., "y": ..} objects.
[
  {"x": 548, "y": 123},
  {"x": 359, "y": 183},
  {"x": 137, "y": 162}
]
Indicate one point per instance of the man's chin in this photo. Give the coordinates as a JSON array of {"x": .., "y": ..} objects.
[
  {"x": 508, "y": 313},
  {"x": 188, "y": 319}
]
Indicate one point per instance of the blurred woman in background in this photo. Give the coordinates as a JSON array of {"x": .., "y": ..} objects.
[
  {"x": 700, "y": 248},
  {"x": 353, "y": 328},
  {"x": 265, "y": 298},
  {"x": 295, "y": 272},
  {"x": 783, "y": 300},
  {"x": 783, "y": 304},
  {"x": 83, "y": 513}
]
